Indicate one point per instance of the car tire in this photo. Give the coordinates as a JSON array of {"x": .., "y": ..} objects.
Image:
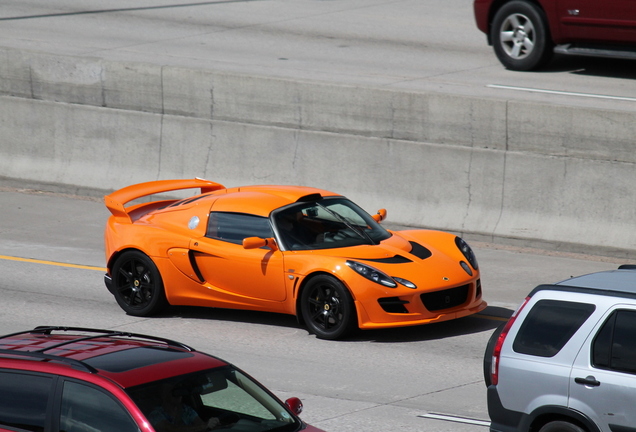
[
  {"x": 327, "y": 308},
  {"x": 561, "y": 426},
  {"x": 137, "y": 284},
  {"x": 521, "y": 37}
]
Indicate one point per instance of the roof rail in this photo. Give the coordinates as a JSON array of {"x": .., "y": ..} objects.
[
  {"x": 105, "y": 333},
  {"x": 78, "y": 364},
  {"x": 627, "y": 267},
  {"x": 37, "y": 355}
]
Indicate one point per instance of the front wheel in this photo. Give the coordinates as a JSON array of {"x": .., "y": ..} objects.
[
  {"x": 520, "y": 36},
  {"x": 327, "y": 308},
  {"x": 137, "y": 284}
]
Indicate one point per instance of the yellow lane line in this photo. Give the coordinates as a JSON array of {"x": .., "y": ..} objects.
[{"x": 53, "y": 263}]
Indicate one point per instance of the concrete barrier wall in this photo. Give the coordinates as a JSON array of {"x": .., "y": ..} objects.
[{"x": 493, "y": 169}]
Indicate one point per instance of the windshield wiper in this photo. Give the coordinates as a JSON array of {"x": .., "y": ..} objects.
[{"x": 349, "y": 224}]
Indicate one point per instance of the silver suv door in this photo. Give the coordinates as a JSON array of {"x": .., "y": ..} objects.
[{"x": 603, "y": 378}]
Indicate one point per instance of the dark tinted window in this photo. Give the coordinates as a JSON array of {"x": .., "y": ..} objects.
[
  {"x": 24, "y": 400},
  {"x": 86, "y": 408},
  {"x": 134, "y": 358},
  {"x": 615, "y": 344},
  {"x": 549, "y": 326},
  {"x": 234, "y": 227}
]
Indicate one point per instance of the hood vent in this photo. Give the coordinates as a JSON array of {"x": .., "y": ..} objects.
[
  {"x": 397, "y": 259},
  {"x": 420, "y": 251}
]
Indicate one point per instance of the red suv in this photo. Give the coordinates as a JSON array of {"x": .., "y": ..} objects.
[
  {"x": 525, "y": 33},
  {"x": 78, "y": 380}
]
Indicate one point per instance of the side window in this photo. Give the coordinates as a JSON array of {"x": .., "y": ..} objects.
[
  {"x": 549, "y": 326},
  {"x": 24, "y": 400},
  {"x": 614, "y": 346},
  {"x": 87, "y": 409},
  {"x": 234, "y": 227}
]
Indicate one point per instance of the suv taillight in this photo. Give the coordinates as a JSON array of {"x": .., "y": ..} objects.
[{"x": 496, "y": 352}]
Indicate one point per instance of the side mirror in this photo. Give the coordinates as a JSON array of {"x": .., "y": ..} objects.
[
  {"x": 379, "y": 216},
  {"x": 257, "y": 242},
  {"x": 295, "y": 405}
]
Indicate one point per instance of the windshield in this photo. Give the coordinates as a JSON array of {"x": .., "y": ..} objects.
[
  {"x": 326, "y": 223},
  {"x": 222, "y": 399}
]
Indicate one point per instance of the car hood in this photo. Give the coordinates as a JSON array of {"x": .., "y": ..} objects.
[{"x": 412, "y": 255}]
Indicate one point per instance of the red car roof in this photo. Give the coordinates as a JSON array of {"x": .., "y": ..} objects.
[{"x": 126, "y": 358}]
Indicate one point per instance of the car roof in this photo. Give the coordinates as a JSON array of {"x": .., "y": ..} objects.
[
  {"x": 262, "y": 200},
  {"x": 620, "y": 282},
  {"x": 129, "y": 359}
]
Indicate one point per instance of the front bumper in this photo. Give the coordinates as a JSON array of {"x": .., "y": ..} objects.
[{"x": 408, "y": 308}]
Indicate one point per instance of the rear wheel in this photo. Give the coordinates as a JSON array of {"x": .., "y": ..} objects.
[
  {"x": 561, "y": 426},
  {"x": 520, "y": 36},
  {"x": 327, "y": 308},
  {"x": 137, "y": 284}
]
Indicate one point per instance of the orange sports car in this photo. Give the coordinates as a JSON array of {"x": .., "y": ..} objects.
[{"x": 288, "y": 249}]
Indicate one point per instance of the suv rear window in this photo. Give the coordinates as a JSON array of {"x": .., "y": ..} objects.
[{"x": 549, "y": 326}]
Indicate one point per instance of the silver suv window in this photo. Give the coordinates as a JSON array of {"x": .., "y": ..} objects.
[
  {"x": 614, "y": 347},
  {"x": 549, "y": 326}
]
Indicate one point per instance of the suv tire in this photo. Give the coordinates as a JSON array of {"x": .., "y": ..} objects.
[
  {"x": 520, "y": 36},
  {"x": 561, "y": 426}
]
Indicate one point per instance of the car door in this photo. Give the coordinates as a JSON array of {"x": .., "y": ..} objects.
[
  {"x": 236, "y": 274},
  {"x": 603, "y": 377},
  {"x": 611, "y": 21}
]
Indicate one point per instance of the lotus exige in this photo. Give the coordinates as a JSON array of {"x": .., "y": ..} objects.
[{"x": 287, "y": 249}]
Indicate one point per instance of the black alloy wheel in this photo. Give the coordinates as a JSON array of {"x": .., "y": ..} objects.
[
  {"x": 327, "y": 308},
  {"x": 137, "y": 284}
]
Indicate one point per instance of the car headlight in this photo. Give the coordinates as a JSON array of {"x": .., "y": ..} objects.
[
  {"x": 467, "y": 252},
  {"x": 372, "y": 274},
  {"x": 406, "y": 283}
]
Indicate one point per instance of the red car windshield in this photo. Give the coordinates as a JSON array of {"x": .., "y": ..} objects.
[{"x": 223, "y": 399}]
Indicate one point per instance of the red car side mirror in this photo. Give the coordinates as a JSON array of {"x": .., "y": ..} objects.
[{"x": 295, "y": 405}]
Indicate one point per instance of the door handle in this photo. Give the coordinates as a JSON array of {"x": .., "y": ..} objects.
[{"x": 588, "y": 381}]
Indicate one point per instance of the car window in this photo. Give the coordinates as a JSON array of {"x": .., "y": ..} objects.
[
  {"x": 325, "y": 224},
  {"x": 549, "y": 326},
  {"x": 614, "y": 346},
  {"x": 23, "y": 400},
  {"x": 87, "y": 409},
  {"x": 224, "y": 397},
  {"x": 234, "y": 227}
]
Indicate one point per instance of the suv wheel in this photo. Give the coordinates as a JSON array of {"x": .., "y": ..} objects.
[
  {"x": 561, "y": 426},
  {"x": 520, "y": 36}
]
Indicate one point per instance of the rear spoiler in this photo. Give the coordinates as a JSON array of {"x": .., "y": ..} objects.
[{"x": 116, "y": 200}]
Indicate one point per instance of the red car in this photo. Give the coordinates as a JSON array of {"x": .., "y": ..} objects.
[
  {"x": 525, "y": 33},
  {"x": 81, "y": 380}
]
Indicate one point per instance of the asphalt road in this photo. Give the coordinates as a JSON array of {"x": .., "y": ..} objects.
[
  {"x": 379, "y": 380},
  {"x": 420, "y": 45},
  {"x": 51, "y": 262}
]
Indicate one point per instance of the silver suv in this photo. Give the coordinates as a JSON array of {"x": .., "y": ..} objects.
[{"x": 566, "y": 359}]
